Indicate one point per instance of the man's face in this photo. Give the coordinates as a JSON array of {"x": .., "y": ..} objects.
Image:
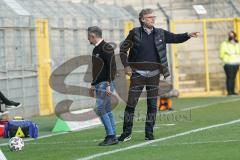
[
  {"x": 149, "y": 20},
  {"x": 91, "y": 39}
]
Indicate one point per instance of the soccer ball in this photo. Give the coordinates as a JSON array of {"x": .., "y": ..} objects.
[{"x": 16, "y": 144}]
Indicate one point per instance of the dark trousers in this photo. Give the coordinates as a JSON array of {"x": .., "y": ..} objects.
[
  {"x": 3, "y": 100},
  {"x": 231, "y": 72},
  {"x": 137, "y": 83}
]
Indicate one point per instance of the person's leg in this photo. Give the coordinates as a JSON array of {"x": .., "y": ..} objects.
[
  {"x": 232, "y": 77},
  {"x": 152, "y": 94},
  {"x": 109, "y": 109},
  {"x": 100, "y": 107},
  {"x": 8, "y": 102},
  {"x": 227, "y": 69},
  {"x": 101, "y": 102},
  {"x": 2, "y": 112},
  {"x": 137, "y": 82},
  {"x": 4, "y": 99}
]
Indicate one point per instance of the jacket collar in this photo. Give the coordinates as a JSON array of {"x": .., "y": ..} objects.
[
  {"x": 99, "y": 42},
  {"x": 142, "y": 30}
]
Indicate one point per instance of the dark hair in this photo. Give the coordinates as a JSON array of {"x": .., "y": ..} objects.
[
  {"x": 144, "y": 12},
  {"x": 235, "y": 36},
  {"x": 95, "y": 30}
]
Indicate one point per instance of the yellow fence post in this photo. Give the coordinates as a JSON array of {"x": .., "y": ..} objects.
[
  {"x": 44, "y": 67},
  {"x": 128, "y": 25},
  {"x": 207, "y": 91},
  {"x": 206, "y": 55},
  {"x": 237, "y": 30},
  {"x": 174, "y": 59}
]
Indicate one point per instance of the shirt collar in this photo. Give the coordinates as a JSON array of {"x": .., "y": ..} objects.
[
  {"x": 147, "y": 30},
  {"x": 98, "y": 42}
]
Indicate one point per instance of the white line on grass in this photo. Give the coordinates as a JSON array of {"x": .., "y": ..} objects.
[
  {"x": 210, "y": 104},
  {"x": 2, "y": 156},
  {"x": 199, "y": 106},
  {"x": 196, "y": 143},
  {"x": 159, "y": 140},
  {"x": 190, "y": 108}
]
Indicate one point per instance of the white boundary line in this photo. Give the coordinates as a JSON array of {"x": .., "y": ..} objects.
[
  {"x": 209, "y": 104},
  {"x": 196, "y": 143},
  {"x": 2, "y": 156},
  {"x": 159, "y": 140},
  {"x": 189, "y": 108}
]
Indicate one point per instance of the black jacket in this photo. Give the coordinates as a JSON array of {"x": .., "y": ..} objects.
[
  {"x": 103, "y": 63},
  {"x": 161, "y": 37}
]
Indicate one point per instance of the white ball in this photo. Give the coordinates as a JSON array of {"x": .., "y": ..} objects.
[{"x": 16, "y": 144}]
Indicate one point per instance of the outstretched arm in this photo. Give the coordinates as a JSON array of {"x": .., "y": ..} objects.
[
  {"x": 178, "y": 38},
  {"x": 193, "y": 34}
]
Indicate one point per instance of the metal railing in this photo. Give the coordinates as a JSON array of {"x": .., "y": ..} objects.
[{"x": 197, "y": 67}]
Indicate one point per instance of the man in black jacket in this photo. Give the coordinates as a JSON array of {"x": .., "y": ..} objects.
[
  {"x": 147, "y": 59},
  {"x": 103, "y": 73}
]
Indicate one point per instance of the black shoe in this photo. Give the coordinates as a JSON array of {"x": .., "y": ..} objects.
[
  {"x": 3, "y": 112},
  {"x": 124, "y": 137},
  {"x": 13, "y": 105},
  {"x": 109, "y": 140},
  {"x": 149, "y": 137},
  {"x": 232, "y": 94}
]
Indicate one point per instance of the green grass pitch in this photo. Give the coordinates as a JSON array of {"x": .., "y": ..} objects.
[{"x": 217, "y": 143}]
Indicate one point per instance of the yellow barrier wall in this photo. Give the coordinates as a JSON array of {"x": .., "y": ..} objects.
[
  {"x": 44, "y": 67},
  {"x": 237, "y": 30}
]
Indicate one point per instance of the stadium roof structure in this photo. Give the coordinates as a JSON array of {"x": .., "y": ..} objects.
[{"x": 57, "y": 8}]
